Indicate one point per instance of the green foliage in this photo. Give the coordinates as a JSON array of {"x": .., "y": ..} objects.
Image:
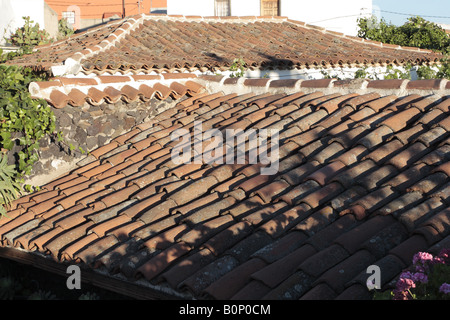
[
  {"x": 42, "y": 295},
  {"x": 416, "y": 32},
  {"x": 8, "y": 186},
  {"x": 361, "y": 74},
  {"x": 237, "y": 68},
  {"x": 426, "y": 72},
  {"x": 326, "y": 74},
  {"x": 29, "y": 35},
  {"x": 24, "y": 121},
  {"x": 89, "y": 296},
  {"x": 372, "y": 29},
  {"x": 444, "y": 69},
  {"x": 11, "y": 55},
  {"x": 9, "y": 287},
  {"x": 22, "y": 114},
  {"x": 441, "y": 71},
  {"x": 64, "y": 29},
  {"x": 338, "y": 73},
  {"x": 397, "y": 73}
]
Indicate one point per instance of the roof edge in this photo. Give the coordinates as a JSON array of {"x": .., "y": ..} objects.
[
  {"x": 399, "y": 87},
  {"x": 72, "y": 64},
  {"x": 88, "y": 275}
]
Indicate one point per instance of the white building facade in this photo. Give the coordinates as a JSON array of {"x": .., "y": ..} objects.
[
  {"x": 340, "y": 16},
  {"x": 13, "y": 11}
]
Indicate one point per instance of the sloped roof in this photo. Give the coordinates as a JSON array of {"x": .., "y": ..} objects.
[
  {"x": 363, "y": 180},
  {"x": 160, "y": 43}
]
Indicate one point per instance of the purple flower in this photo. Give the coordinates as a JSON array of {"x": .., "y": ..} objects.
[
  {"x": 404, "y": 284},
  {"x": 406, "y": 275},
  {"x": 422, "y": 257},
  {"x": 420, "y": 277},
  {"x": 401, "y": 295},
  {"x": 421, "y": 269},
  {"x": 444, "y": 254},
  {"x": 445, "y": 288}
]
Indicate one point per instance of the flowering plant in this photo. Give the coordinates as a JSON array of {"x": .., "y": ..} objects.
[{"x": 428, "y": 279}]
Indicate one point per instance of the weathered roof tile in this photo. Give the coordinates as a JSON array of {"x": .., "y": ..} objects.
[{"x": 363, "y": 179}]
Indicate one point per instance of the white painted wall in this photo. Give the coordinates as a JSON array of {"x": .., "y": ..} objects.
[
  {"x": 373, "y": 73},
  {"x": 245, "y": 8},
  {"x": 340, "y": 16},
  {"x": 12, "y": 11},
  {"x": 191, "y": 7},
  {"x": 206, "y": 7}
]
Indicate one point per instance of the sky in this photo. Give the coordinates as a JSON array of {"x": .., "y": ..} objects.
[{"x": 428, "y": 9}]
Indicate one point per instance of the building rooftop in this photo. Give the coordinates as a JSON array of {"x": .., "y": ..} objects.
[
  {"x": 161, "y": 43},
  {"x": 363, "y": 179}
]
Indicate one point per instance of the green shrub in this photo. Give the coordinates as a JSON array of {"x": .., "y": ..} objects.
[
  {"x": 397, "y": 73},
  {"x": 24, "y": 121},
  {"x": 237, "y": 68},
  {"x": 416, "y": 32},
  {"x": 444, "y": 69},
  {"x": 8, "y": 185},
  {"x": 64, "y": 29},
  {"x": 29, "y": 35}
]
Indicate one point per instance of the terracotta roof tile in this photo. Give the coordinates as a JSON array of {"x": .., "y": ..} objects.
[
  {"x": 352, "y": 240},
  {"x": 254, "y": 290},
  {"x": 339, "y": 275},
  {"x": 354, "y": 292},
  {"x": 385, "y": 240},
  {"x": 323, "y": 260},
  {"x": 363, "y": 179},
  {"x": 210, "y": 273},
  {"x": 292, "y": 288},
  {"x": 406, "y": 250},
  {"x": 160, "y": 262},
  {"x": 101, "y": 49},
  {"x": 228, "y": 285}
]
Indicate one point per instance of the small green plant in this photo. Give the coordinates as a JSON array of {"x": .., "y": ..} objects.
[
  {"x": 325, "y": 74},
  {"x": 8, "y": 185},
  {"x": 441, "y": 71},
  {"x": 64, "y": 29},
  {"x": 29, "y": 35},
  {"x": 444, "y": 69},
  {"x": 89, "y": 296},
  {"x": 237, "y": 68},
  {"x": 42, "y": 295},
  {"x": 398, "y": 73},
  {"x": 361, "y": 73},
  {"x": 426, "y": 72},
  {"x": 12, "y": 54},
  {"x": 9, "y": 287}
]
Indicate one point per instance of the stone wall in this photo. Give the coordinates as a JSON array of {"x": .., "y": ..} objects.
[{"x": 89, "y": 127}]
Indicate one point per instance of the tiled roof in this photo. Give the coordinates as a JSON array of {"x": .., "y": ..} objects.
[
  {"x": 146, "y": 43},
  {"x": 363, "y": 180}
]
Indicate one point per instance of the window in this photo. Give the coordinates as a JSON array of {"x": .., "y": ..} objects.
[
  {"x": 69, "y": 16},
  {"x": 270, "y": 7},
  {"x": 222, "y": 8}
]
